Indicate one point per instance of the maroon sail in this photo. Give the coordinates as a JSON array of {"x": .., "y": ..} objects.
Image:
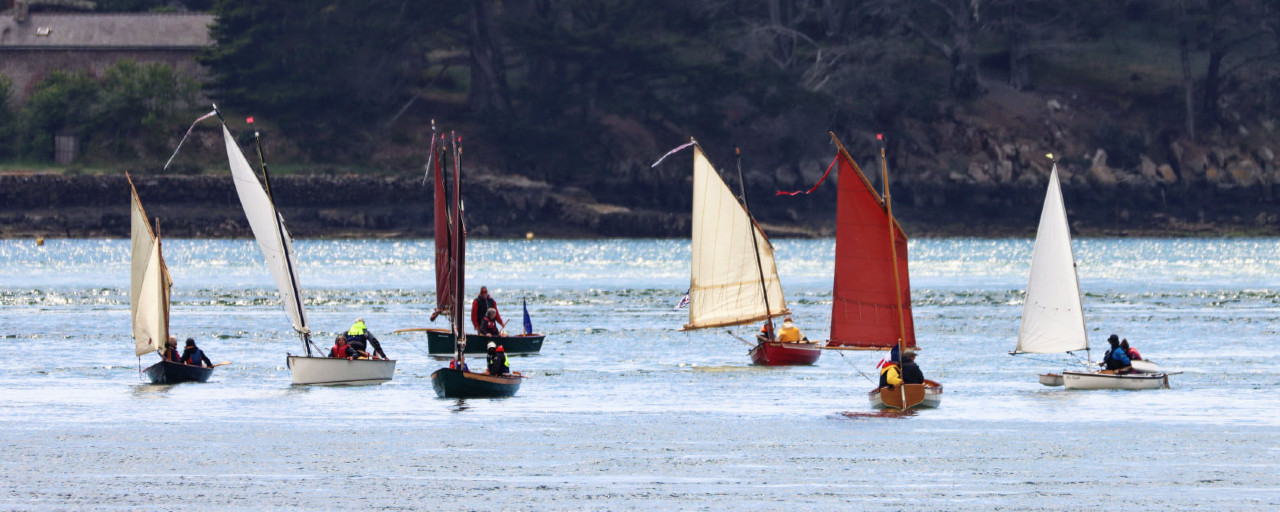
[
  {"x": 865, "y": 306},
  {"x": 444, "y": 283}
]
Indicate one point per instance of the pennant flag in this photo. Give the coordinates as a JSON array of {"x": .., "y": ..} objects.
[
  {"x": 815, "y": 185},
  {"x": 684, "y": 301},
  {"x": 249, "y": 120},
  {"x": 528, "y": 323},
  {"x": 184, "y": 136},
  {"x": 669, "y": 153}
]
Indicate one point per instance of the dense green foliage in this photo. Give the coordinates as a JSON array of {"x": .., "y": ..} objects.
[
  {"x": 8, "y": 120},
  {"x": 129, "y": 112}
]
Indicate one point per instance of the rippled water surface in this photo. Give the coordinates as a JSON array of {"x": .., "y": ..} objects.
[{"x": 622, "y": 411}]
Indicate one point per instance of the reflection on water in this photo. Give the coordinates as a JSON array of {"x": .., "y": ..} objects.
[{"x": 624, "y": 410}]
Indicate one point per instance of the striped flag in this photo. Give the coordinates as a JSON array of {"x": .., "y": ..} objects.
[{"x": 684, "y": 301}]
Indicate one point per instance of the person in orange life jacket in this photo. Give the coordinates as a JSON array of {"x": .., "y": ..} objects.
[
  {"x": 170, "y": 352},
  {"x": 193, "y": 356},
  {"x": 789, "y": 333},
  {"x": 480, "y": 308},
  {"x": 766, "y": 331},
  {"x": 497, "y": 360},
  {"x": 1130, "y": 351},
  {"x": 489, "y": 324}
]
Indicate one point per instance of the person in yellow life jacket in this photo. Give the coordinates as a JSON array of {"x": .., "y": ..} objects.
[
  {"x": 360, "y": 338},
  {"x": 890, "y": 376},
  {"x": 789, "y": 332}
]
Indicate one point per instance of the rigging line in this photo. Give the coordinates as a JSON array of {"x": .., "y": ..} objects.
[
  {"x": 855, "y": 368},
  {"x": 1043, "y": 360}
]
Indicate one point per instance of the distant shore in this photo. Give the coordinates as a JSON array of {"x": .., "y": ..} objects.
[{"x": 327, "y": 206}]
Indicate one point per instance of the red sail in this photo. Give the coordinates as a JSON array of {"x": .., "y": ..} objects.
[
  {"x": 444, "y": 288},
  {"x": 864, "y": 310}
]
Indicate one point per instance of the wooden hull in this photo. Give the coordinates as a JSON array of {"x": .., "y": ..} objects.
[
  {"x": 450, "y": 383},
  {"x": 440, "y": 342},
  {"x": 927, "y": 395},
  {"x": 166, "y": 372},
  {"x": 326, "y": 371},
  {"x": 777, "y": 353},
  {"x": 1093, "y": 380}
]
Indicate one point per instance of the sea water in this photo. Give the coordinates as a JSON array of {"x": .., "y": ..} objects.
[{"x": 622, "y": 411}]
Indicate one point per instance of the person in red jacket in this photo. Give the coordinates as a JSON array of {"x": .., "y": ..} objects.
[{"x": 482, "y": 304}]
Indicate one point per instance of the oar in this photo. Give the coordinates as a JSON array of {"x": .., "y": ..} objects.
[
  {"x": 221, "y": 364},
  {"x": 415, "y": 329},
  {"x": 739, "y": 338}
]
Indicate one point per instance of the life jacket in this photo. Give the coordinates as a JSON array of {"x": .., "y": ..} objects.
[
  {"x": 357, "y": 329},
  {"x": 193, "y": 357},
  {"x": 341, "y": 351},
  {"x": 498, "y": 363},
  {"x": 884, "y": 374},
  {"x": 789, "y": 335}
]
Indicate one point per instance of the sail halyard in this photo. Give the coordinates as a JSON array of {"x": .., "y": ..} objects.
[
  {"x": 867, "y": 311},
  {"x": 1052, "y": 314},
  {"x": 725, "y": 278},
  {"x": 271, "y": 234}
]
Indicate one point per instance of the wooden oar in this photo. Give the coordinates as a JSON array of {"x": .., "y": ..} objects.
[
  {"x": 415, "y": 329},
  {"x": 221, "y": 364}
]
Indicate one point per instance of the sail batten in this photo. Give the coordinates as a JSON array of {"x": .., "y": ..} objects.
[
  {"x": 865, "y": 303},
  {"x": 725, "y": 286},
  {"x": 270, "y": 232},
  {"x": 1052, "y": 316}
]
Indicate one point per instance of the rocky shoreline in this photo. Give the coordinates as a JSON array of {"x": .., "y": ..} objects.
[{"x": 504, "y": 206}]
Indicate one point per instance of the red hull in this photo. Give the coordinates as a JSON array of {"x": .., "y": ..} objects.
[{"x": 776, "y": 353}]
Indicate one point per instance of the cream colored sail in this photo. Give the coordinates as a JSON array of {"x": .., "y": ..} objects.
[
  {"x": 724, "y": 287},
  {"x": 1052, "y": 317},
  {"x": 268, "y": 228},
  {"x": 148, "y": 284}
]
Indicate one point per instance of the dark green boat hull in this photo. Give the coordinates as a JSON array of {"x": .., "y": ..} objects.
[
  {"x": 457, "y": 384},
  {"x": 440, "y": 342}
]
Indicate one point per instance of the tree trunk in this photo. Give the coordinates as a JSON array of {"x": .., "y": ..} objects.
[
  {"x": 488, "y": 94},
  {"x": 1212, "y": 86}
]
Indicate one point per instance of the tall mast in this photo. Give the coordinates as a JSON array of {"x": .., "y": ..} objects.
[
  {"x": 164, "y": 285},
  {"x": 893, "y": 253},
  {"x": 284, "y": 245},
  {"x": 459, "y": 328},
  {"x": 755, "y": 244}
]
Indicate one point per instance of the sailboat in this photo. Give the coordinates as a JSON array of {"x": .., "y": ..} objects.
[
  {"x": 277, "y": 250},
  {"x": 1053, "y": 315},
  {"x": 149, "y": 285},
  {"x": 456, "y": 381},
  {"x": 733, "y": 278},
  {"x": 871, "y": 292}
]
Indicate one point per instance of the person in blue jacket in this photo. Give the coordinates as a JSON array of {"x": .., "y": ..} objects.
[
  {"x": 193, "y": 356},
  {"x": 1116, "y": 358}
]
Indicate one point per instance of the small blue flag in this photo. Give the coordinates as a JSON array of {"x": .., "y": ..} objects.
[{"x": 528, "y": 323}]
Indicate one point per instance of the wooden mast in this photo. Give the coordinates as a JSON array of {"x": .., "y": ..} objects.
[
  {"x": 755, "y": 244},
  {"x": 897, "y": 284}
]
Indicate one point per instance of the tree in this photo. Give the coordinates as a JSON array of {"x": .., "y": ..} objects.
[{"x": 953, "y": 27}]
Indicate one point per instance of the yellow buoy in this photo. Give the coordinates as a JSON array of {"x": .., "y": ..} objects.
[
  {"x": 39, "y": 240},
  {"x": 528, "y": 236}
]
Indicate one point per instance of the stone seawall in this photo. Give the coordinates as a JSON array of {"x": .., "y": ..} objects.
[{"x": 55, "y": 205}]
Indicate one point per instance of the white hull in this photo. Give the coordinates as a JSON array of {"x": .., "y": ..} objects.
[
  {"x": 1051, "y": 379},
  {"x": 932, "y": 399},
  {"x": 1089, "y": 380},
  {"x": 326, "y": 371}
]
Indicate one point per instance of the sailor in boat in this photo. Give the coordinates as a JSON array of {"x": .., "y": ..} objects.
[
  {"x": 766, "y": 331},
  {"x": 170, "y": 352},
  {"x": 497, "y": 360},
  {"x": 359, "y": 337},
  {"x": 343, "y": 350},
  {"x": 193, "y": 356},
  {"x": 890, "y": 375},
  {"x": 789, "y": 333},
  {"x": 489, "y": 324},
  {"x": 911, "y": 373},
  {"x": 480, "y": 308},
  {"x": 1116, "y": 360},
  {"x": 458, "y": 365},
  {"x": 1130, "y": 351}
]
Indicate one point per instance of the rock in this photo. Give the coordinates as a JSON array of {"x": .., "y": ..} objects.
[
  {"x": 1100, "y": 158},
  {"x": 978, "y": 174},
  {"x": 1244, "y": 131},
  {"x": 1099, "y": 173},
  {"x": 1269, "y": 125},
  {"x": 1266, "y": 154},
  {"x": 1167, "y": 174},
  {"x": 1147, "y": 168},
  {"x": 1004, "y": 171},
  {"x": 1054, "y": 106},
  {"x": 1244, "y": 172}
]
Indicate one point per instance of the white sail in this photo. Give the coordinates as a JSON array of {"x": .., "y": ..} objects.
[
  {"x": 1052, "y": 317},
  {"x": 268, "y": 228},
  {"x": 142, "y": 237},
  {"x": 151, "y": 317},
  {"x": 724, "y": 287}
]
